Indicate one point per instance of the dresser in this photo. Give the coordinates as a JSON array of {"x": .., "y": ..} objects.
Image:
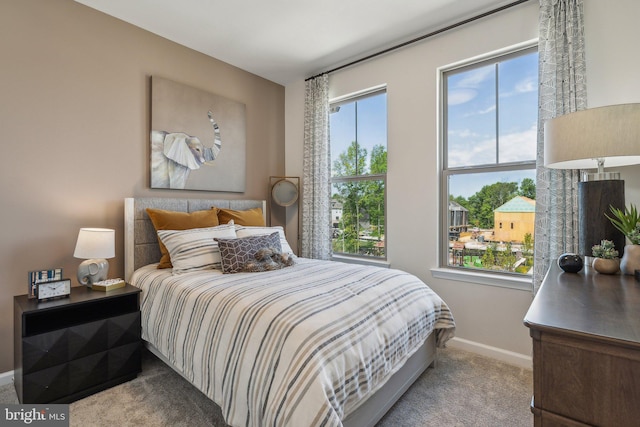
[
  {"x": 586, "y": 349},
  {"x": 69, "y": 348}
]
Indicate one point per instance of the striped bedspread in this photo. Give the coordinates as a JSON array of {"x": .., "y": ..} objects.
[{"x": 301, "y": 346}]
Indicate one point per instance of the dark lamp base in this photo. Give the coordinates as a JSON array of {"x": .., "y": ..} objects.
[{"x": 594, "y": 199}]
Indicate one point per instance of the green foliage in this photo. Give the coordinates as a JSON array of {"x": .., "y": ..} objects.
[
  {"x": 489, "y": 256},
  {"x": 378, "y": 160},
  {"x": 527, "y": 245},
  {"x": 528, "y": 188},
  {"x": 506, "y": 258},
  {"x": 627, "y": 222},
  {"x": 362, "y": 200},
  {"x": 352, "y": 162},
  {"x": 606, "y": 249},
  {"x": 482, "y": 204}
]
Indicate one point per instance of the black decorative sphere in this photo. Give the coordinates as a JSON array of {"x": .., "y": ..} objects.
[{"x": 571, "y": 263}]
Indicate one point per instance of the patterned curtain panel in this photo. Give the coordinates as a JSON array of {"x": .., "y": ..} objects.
[
  {"x": 316, "y": 209},
  {"x": 562, "y": 90}
]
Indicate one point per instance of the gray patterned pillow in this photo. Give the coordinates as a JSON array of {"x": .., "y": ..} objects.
[{"x": 235, "y": 253}]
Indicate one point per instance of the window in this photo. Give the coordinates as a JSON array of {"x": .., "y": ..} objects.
[
  {"x": 358, "y": 174},
  {"x": 489, "y": 122}
]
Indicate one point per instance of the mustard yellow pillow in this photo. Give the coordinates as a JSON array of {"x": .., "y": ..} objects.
[
  {"x": 252, "y": 217},
  {"x": 173, "y": 220}
]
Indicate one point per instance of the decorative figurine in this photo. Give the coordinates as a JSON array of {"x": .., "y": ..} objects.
[{"x": 570, "y": 263}]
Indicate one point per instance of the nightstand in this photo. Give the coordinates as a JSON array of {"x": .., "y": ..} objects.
[
  {"x": 586, "y": 349},
  {"x": 67, "y": 349}
]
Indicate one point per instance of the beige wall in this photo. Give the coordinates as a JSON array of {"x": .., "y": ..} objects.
[
  {"x": 74, "y": 115},
  {"x": 412, "y": 178}
]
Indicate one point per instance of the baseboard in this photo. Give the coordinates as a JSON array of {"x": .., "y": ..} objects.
[
  {"x": 6, "y": 378},
  {"x": 510, "y": 357}
]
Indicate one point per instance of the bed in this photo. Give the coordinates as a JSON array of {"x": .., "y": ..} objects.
[{"x": 267, "y": 347}]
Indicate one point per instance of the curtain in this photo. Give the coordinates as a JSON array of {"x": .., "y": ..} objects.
[
  {"x": 316, "y": 186},
  {"x": 562, "y": 90}
]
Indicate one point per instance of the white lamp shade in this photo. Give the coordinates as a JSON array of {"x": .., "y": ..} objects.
[
  {"x": 95, "y": 243},
  {"x": 576, "y": 140}
]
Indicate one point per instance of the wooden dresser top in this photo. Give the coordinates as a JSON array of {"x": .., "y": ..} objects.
[{"x": 589, "y": 304}]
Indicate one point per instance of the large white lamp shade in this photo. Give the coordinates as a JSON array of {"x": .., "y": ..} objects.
[{"x": 595, "y": 138}]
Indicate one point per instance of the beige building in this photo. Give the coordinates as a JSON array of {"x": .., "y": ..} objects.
[{"x": 514, "y": 219}]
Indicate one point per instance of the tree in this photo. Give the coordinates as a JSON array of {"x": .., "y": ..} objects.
[
  {"x": 362, "y": 200},
  {"x": 482, "y": 204},
  {"x": 528, "y": 188},
  {"x": 378, "y": 159},
  {"x": 373, "y": 197},
  {"x": 527, "y": 247},
  {"x": 506, "y": 258},
  {"x": 352, "y": 162},
  {"x": 489, "y": 256},
  {"x": 460, "y": 200}
]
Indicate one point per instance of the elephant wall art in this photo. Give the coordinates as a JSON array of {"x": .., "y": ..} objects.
[
  {"x": 197, "y": 139},
  {"x": 175, "y": 154}
]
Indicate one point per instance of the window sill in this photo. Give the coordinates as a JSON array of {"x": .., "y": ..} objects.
[
  {"x": 362, "y": 261},
  {"x": 487, "y": 279}
]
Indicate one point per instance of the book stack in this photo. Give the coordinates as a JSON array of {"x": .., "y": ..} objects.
[{"x": 108, "y": 285}]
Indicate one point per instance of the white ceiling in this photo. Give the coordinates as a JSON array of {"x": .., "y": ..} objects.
[{"x": 289, "y": 40}]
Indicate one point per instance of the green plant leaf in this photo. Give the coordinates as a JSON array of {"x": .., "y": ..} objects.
[{"x": 625, "y": 221}]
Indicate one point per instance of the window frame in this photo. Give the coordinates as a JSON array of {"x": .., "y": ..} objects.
[
  {"x": 347, "y": 99},
  {"x": 444, "y": 270}
]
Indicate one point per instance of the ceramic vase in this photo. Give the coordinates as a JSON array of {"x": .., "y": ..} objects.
[
  {"x": 630, "y": 259},
  {"x": 606, "y": 266}
]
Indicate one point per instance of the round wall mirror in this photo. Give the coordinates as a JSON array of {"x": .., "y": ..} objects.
[{"x": 284, "y": 193}]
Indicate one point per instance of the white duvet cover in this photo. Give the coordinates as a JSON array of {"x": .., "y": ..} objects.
[{"x": 301, "y": 346}]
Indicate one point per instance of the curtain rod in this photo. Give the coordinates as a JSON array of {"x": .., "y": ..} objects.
[{"x": 420, "y": 38}]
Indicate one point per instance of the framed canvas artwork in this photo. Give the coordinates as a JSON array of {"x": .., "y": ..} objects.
[{"x": 198, "y": 139}]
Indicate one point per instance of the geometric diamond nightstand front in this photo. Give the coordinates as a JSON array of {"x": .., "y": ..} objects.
[{"x": 67, "y": 349}]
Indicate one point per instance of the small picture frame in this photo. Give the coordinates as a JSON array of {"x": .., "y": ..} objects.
[{"x": 41, "y": 276}]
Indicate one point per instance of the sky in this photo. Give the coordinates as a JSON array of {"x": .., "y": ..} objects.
[
  {"x": 371, "y": 129},
  {"x": 472, "y": 116}
]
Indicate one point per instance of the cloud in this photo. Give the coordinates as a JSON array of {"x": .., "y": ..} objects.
[
  {"x": 471, "y": 153},
  {"x": 464, "y": 133},
  {"x": 519, "y": 146},
  {"x": 475, "y": 78},
  {"x": 465, "y": 89},
  {"x": 460, "y": 96},
  {"x": 529, "y": 84},
  {"x": 487, "y": 110},
  {"x": 466, "y": 148},
  {"x": 526, "y": 85}
]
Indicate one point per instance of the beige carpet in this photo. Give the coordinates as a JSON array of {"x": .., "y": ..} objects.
[{"x": 463, "y": 390}]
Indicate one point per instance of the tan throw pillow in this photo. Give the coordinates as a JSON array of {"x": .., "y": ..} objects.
[
  {"x": 248, "y": 217},
  {"x": 173, "y": 220}
]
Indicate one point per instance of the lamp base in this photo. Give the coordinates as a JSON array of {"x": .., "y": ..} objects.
[
  {"x": 594, "y": 199},
  {"x": 91, "y": 271}
]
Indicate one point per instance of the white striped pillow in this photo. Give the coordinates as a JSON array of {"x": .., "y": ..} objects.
[
  {"x": 195, "y": 249},
  {"x": 245, "y": 231}
]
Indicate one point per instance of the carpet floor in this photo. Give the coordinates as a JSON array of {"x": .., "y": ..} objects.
[{"x": 464, "y": 389}]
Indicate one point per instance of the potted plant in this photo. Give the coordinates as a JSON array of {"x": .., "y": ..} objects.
[
  {"x": 606, "y": 255},
  {"x": 628, "y": 222}
]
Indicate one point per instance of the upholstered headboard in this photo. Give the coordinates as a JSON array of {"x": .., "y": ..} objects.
[{"x": 140, "y": 238}]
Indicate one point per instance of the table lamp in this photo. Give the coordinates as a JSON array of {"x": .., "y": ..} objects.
[
  {"x": 595, "y": 138},
  {"x": 94, "y": 245}
]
